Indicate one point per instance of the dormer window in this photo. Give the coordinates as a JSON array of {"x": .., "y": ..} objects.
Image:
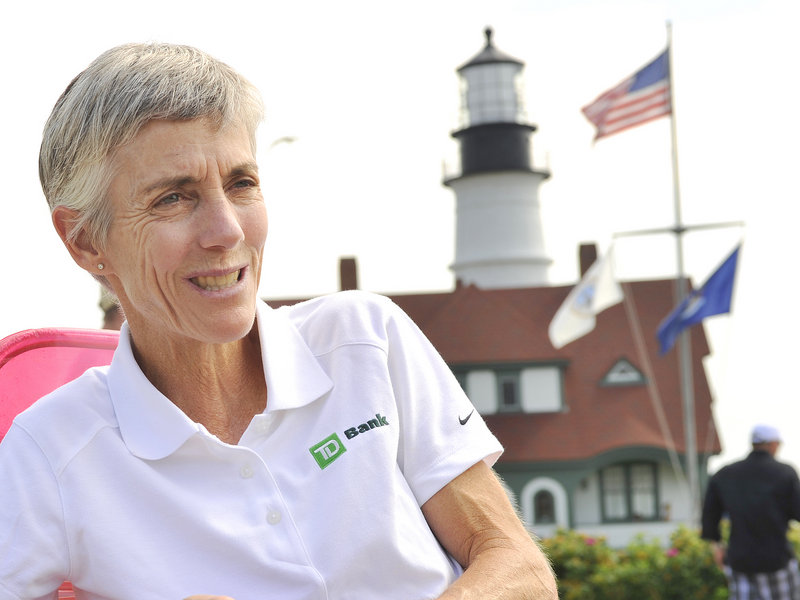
[
  {"x": 514, "y": 389},
  {"x": 508, "y": 392},
  {"x": 623, "y": 373}
]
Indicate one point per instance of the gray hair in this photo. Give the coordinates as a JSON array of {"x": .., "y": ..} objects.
[{"x": 107, "y": 104}]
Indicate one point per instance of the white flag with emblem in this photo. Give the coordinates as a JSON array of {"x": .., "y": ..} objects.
[{"x": 594, "y": 293}]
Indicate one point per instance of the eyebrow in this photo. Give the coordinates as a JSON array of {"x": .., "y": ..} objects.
[{"x": 177, "y": 181}]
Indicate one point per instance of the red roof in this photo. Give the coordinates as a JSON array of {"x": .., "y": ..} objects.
[{"x": 482, "y": 327}]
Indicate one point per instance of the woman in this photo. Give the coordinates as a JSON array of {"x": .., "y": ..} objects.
[{"x": 231, "y": 449}]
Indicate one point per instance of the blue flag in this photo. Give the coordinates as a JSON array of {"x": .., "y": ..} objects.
[{"x": 713, "y": 298}]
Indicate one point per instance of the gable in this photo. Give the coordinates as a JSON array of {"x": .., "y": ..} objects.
[{"x": 623, "y": 373}]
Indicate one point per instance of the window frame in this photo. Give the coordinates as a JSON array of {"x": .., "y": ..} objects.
[
  {"x": 514, "y": 373},
  {"x": 629, "y": 492},
  {"x": 512, "y": 377}
]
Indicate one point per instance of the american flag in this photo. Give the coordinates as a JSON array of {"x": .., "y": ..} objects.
[{"x": 642, "y": 97}]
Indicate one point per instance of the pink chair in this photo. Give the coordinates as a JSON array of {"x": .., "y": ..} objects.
[{"x": 34, "y": 362}]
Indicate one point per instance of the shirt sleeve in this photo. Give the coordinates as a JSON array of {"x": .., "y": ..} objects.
[
  {"x": 442, "y": 435},
  {"x": 712, "y": 513},
  {"x": 794, "y": 495},
  {"x": 33, "y": 549}
]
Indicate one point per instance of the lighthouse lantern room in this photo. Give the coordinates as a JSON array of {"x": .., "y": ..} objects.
[{"x": 499, "y": 241}]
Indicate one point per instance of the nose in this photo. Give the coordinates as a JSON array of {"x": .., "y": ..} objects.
[{"x": 220, "y": 221}]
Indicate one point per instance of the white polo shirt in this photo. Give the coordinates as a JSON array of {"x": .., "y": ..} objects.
[{"x": 106, "y": 483}]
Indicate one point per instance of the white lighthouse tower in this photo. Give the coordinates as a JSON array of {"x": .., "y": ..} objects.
[{"x": 499, "y": 241}]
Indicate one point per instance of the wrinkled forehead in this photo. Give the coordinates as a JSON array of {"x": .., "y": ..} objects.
[{"x": 171, "y": 154}]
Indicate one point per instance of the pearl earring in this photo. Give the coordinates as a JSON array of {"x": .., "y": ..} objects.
[{"x": 101, "y": 266}]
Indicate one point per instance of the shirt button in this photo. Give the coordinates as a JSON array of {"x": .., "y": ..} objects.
[
  {"x": 273, "y": 517},
  {"x": 246, "y": 472}
]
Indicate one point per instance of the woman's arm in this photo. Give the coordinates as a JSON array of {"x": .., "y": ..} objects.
[{"x": 475, "y": 522}]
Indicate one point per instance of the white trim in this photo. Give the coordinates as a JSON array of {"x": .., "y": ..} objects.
[{"x": 559, "y": 501}]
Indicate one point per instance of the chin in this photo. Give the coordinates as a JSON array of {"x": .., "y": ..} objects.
[
  {"x": 233, "y": 332},
  {"x": 230, "y": 327}
]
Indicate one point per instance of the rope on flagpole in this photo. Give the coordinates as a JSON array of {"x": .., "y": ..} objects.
[{"x": 652, "y": 385}]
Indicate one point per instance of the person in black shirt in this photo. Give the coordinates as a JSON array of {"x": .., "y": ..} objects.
[{"x": 759, "y": 495}]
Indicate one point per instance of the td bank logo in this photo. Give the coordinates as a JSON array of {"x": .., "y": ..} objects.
[{"x": 328, "y": 450}]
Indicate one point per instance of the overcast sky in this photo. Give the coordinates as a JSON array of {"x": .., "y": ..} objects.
[{"x": 369, "y": 90}]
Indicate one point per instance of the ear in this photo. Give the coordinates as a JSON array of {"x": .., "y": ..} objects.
[{"x": 81, "y": 248}]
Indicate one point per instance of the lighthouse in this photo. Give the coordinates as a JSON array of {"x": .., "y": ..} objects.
[{"x": 499, "y": 240}]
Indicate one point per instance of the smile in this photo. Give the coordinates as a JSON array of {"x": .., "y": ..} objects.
[{"x": 214, "y": 283}]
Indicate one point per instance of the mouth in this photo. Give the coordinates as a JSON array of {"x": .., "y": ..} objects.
[{"x": 215, "y": 283}]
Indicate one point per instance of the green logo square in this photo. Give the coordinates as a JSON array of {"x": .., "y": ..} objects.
[{"x": 328, "y": 450}]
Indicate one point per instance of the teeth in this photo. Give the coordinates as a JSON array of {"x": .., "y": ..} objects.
[{"x": 215, "y": 283}]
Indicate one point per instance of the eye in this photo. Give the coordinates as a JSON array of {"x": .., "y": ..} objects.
[
  {"x": 245, "y": 183},
  {"x": 168, "y": 199}
]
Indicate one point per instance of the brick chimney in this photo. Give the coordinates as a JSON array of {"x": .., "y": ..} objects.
[
  {"x": 587, "y": 254},
  {"x": 348, "y": 273}
]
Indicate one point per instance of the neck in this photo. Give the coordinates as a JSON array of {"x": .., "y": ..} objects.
[
  {"x": 770, "y": 448},
  {"x": 221, "y": 386}
]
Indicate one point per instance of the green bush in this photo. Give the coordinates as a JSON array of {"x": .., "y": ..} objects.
[
  {"x": 794, "y": 536},
  {"x": 588, "y": 569},
  {"x": 576, "y": 558},
  {"x": 690, "y": 567}
]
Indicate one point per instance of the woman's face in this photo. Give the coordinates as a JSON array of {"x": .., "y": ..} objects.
[{"x": 189, "y": 224}]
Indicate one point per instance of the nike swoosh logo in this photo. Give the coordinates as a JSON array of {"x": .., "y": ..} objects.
[{"x": 465, "y": 419}]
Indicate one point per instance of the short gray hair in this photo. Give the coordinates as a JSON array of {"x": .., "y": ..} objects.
[{"x": 107, "y": 104}]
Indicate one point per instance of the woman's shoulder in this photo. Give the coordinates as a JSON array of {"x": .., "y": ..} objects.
[
  {"x": 351, "y": 304},
  {"x": 71, "y": 413},
  {"x": 357, "y": 301},
  {"x": 352, "y": 315}
]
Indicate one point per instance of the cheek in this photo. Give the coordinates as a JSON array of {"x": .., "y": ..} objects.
[
  {"x": 147, "y": 255},
  {"x": 257, "y": 227}
]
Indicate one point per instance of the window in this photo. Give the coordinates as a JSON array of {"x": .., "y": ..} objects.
[
  {"x": 508, "y": 391},
  {"x": 623, "y": 373},
  {"x": 513, "y": 388},
  {"x": 481, "y": 390},
  {"x": 544, "y": 505},
  {"x": 544, "y": 508},
  {"x": 628, "y": 492},
  {"x": 491, "y": 93},
  {"x": 541, "y": 389}
]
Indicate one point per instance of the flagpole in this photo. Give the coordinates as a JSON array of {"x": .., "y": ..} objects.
[
  {"x": 615, "y": 110},
  {"x": 681, "y": 290}
]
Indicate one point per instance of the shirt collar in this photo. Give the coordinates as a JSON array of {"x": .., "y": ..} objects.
[
  {"x": 153, "y": 427},
  {"x": 760, "y": 454},
  {"x": 293, "y": 373}
]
